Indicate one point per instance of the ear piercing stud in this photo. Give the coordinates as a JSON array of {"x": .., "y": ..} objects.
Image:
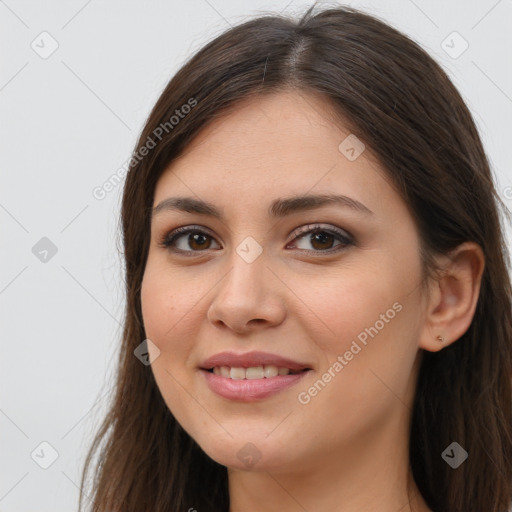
[{"x": 440, "y": 338}]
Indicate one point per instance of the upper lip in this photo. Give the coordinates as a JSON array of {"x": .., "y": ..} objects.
[{"x": 251, "y": 359}]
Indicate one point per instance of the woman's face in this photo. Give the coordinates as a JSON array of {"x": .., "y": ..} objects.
[{"x": 278, "y": 282}]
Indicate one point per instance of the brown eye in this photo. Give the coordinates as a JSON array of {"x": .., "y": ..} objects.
[
  {"x": 323, "y": 240},
  {"x": 198, "y": 241},
  {"x": 195, "y": 241},
  {"x": 190, "y": 240}
]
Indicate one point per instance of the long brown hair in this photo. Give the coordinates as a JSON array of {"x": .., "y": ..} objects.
[{"x": 401, "y": 103}]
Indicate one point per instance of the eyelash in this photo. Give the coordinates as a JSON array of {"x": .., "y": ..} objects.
[{"x": 168, "y": 239}]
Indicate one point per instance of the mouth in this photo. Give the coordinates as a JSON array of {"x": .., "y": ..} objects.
[
  {"x": 251, "y": 376},
  {"x": 256, "y": 365},
  {"x": 267, "y": 371}
]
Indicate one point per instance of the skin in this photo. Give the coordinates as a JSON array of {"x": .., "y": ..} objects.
[{"x": 347, "y": 448}]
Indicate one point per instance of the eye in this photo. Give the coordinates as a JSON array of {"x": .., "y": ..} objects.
[
  {"x": 322, "y": 239},
  {"x": 199, "y": 240}
]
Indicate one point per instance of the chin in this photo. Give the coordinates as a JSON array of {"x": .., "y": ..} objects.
[{"x": 247, "y": 452}]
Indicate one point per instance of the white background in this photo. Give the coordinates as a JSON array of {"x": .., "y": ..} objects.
[{"x": 68, "y": 123}]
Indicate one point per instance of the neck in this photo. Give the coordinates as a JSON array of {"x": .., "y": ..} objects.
[{"x": 274, "y": 492}]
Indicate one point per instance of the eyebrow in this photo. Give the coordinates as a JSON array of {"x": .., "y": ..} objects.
[{"x": 278, "y": 208}]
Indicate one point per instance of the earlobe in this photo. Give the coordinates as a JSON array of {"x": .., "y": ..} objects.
[
  {"x": 440, "y": 338},
  {"x": 453, "y": 297}
]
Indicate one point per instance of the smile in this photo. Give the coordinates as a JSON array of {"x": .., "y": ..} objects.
[
  {"x": 254, "y": 372},
  {"x": 250, "y": 376},
  {"x": 244, "y": 388}
]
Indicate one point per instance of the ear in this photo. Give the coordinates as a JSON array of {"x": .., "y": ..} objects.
[{"x": 453, "y": 297}]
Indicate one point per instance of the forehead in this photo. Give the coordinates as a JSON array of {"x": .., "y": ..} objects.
[{"x": 286, "y": 143}]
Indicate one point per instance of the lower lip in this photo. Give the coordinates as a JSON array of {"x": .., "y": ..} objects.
[{"x": 249, "y": 390}]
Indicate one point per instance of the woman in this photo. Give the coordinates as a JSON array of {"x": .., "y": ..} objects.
[{"x": 318, "y": 303}]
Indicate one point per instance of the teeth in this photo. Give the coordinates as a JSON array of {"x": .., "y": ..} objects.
[
  {"x": 270, "y": 371},
  {"x": 237, "y": 373},
  {"x": 254, "y": 372}
]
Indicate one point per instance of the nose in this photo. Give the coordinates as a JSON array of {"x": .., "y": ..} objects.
[{"x": 248, "y": 297}]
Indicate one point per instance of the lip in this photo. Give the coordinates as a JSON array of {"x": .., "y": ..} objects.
[
  {"x": 250, "y": 359},
  {"x": 249, "y": 390}
]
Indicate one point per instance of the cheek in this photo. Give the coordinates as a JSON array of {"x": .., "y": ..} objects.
[
  {"x": 156, "y": 305},
  {"x": 344, "y": 304},
  {"x": 369, "y": 319},
  {"x": 161, "y": 313},
  {"x": 165, "y": 315},
  {"x": 365, "y": 377},
  {"x": 166, "y": 302}
]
